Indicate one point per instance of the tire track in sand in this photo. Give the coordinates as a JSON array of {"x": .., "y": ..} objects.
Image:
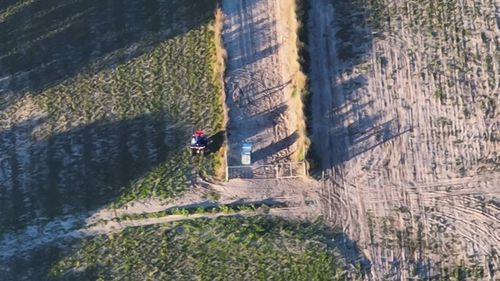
[
  {"x": 401, "y": 167},
  {"x": 256, "y": 87}
]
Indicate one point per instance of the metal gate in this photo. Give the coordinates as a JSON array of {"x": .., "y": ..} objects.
[{"x": 275, "y": 171}]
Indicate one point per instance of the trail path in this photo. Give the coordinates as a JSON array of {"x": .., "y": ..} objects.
[
  {"x": 293, "y": 199},
  {"x": 400, "y": 167},
  {"x": 65, "y": 230},
  {"x": 258, "y": 83}
]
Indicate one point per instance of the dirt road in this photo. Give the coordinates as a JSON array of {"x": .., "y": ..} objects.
[
  {"x": 258, "y": 83},
  {"x": 410, "y": 169}
]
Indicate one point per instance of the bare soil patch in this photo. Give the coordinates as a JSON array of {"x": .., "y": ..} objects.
[{"x": 407, "y": 133}]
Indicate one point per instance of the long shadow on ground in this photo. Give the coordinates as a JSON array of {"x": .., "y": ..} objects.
[
  {"x": 352, "y": 44},
  {"x": 82, "y": 168},
  {"x": 343, "y": 121},
  {"x": 46, "y": 42}
]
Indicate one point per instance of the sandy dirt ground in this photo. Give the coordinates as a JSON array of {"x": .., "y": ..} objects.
[
  {"x": 408, "y": 176},
  {"x": 258, "y": 80}
]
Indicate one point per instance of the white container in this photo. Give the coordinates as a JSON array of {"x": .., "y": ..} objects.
[{"x": 246, "y": 153}]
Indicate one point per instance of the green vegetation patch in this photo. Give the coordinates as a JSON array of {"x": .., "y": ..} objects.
[
  {"x": 99, "y": 101},
  {"x": 230, "y": 248}
]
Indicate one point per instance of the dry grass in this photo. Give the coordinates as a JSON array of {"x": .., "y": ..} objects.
[
  {"x": 298, "y": 78},
  {"x": 219, "y": 69}
]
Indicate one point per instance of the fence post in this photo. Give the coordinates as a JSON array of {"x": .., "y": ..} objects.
[{"x": 227, "y": 165}]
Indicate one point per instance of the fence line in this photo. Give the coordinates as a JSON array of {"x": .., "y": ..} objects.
[{"x": 268, "y": 171}]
